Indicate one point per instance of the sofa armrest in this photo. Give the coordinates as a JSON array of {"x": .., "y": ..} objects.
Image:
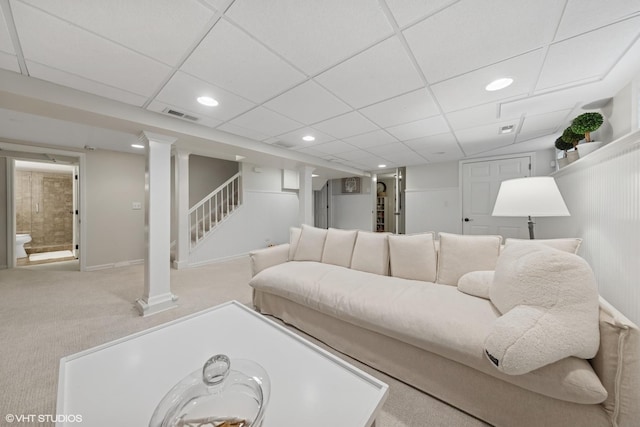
[{"x": 267, "y": 257}]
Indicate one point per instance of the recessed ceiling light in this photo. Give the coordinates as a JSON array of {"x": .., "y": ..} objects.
[
  {"x": 314, "y": 175},
  {"x": 382, "y": 166},
  {"x": 137, "y": 146},
  {"x": 208, "y": 101},
  {"x": 308, "y": 138},
  {"x": 506, "y": 129},
  {"x": 499, "y": 84}
]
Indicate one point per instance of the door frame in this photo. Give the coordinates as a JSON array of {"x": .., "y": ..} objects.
[
  {"x": 461, "y": 163},
  {"x": 29, "y": 153}
]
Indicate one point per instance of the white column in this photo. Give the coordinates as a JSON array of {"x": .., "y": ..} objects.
[
  {"x": 305, "y": 195},
  {"x": 181, "y": 209},
  {"x": 157, "y": 265}
]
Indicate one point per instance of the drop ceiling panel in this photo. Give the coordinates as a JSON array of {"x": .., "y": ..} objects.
[
  {"x": 371, "y": 139},
  {"x": 240, "y": 131},
  {"x": 484, "y": 138},
  {"x": 65, "y": 79},
  {"x": 408, "y": 11},
  {"x": 468, "y": 90},
  {"x": 217, "y": 4},
  {"x": 586, "y": 15},
  {"x": 294, "y": 138},
  {"x": 406, "y": 159},
  {"x": 183, "y": 90},
  {"x": 233, "y": 60},
  {"x": 152, "y": 27},
  {"x": 382, "y": 71},
  {"x": 405, "y": 108},
  {"x": 565, "y": 60},
  {"x": 355, "y": 155},
  {"x": 425, "y": 127},
  {"x": 9, "y": 62},
  {"x": 472, "y": 34},
  {"x": 101, "y": 60},
  {"x": 549, "y": 121},
  {"x": 308, "y": 103},
  {"x": 437, "y": 148},
  {"x": 478, "y": 116},
  {"x": 313, "y": 35},
  {"x": 266, "y": 122},
  {"x": 333, "y": 147},
  {"x": 6, "y": 45},
  {"x": 161, "y": 107},
  {"x": 347, "y": 125}
]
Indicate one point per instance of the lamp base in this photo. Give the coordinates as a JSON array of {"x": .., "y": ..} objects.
[{"x": 530, "y": 223}]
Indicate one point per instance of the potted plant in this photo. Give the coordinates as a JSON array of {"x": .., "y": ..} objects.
[
  {"x": 562, "y": 145},
  {"x": 586, "y": 123},
  {"x": 571, "y": 138}
]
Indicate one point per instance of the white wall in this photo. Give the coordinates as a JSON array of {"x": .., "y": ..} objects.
[
  {"x": 351, "y": 211},
  {"x": 4, "y": 262},
  {"x": 206, "y": 174},
  {"x": 114, "y": 231},
  {"x": 265, "y": 217}
]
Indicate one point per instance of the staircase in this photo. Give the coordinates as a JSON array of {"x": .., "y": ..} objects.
[{"x": 211, "y": 211}]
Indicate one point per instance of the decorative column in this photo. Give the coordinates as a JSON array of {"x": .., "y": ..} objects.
[
  {"x": 181, "y": 208},
  {"x": 157, "y": 265},
  {"x": 305, "y": 195}
]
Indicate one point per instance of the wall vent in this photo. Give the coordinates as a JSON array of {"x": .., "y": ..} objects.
[{"x": 180, "y": 114}]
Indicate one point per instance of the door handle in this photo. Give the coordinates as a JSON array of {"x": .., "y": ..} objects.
[{"x": 467, "y": 220}]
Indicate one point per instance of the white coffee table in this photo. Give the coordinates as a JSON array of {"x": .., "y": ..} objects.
[{"x": 120, "y": 383}]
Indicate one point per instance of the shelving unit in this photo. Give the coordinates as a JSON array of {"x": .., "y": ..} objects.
[{"x": 381, "y": 214}]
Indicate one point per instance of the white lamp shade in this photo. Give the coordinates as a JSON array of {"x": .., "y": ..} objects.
[{"x": 533, "y": 196}]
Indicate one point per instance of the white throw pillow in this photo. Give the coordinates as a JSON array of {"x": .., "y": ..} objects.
[
  {"x": 460, "y": 254},
  {"x": 568, "y": 244},
  {"x": 310, "y": 244},
  {"x": 371, "y": 253},
  {"x": 413, "y": 256},
  {"x": 476, "y": 283},
  {"x": 294, "y": 237},
  {"x": 338, "y": 247}
]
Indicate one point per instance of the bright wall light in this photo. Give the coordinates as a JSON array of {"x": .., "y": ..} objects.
[
  {"x": 499, "y": 84},
  {"x": 208, "y": 101}
]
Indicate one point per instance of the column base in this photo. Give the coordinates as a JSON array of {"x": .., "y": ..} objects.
[
  {"x": 178, "y": 265},
  {"x": 156, "y": 304}
]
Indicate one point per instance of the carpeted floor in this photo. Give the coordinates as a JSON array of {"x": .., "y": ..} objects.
[{"x": 51, "y": 311}]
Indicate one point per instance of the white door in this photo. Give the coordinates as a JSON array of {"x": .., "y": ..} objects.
[{"x": 480, "y": 183}]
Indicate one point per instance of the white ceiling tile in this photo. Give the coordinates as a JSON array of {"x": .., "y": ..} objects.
[
  {"x": 308, "y": 103},
  {"x": 406, "y": 159},
  {"x": 318, "y": 34},
  {"x": 65, "y": 79},
  {"x": 484, "y": 138},
  {"x": 355, "y": 155},
  {"x": 405, "y": 108},
  {"x": 239, "y": 130},
  {"x": 310, "y": 151},
  {"x": 565, "y": 60},
  {"x": 440, "y": 148},
  {"x": 371, "y": 139},
  {"x": 408, "y": 11},
  {"x": 152, "y": 27},
  {"x": 294, "y": 138},
  {"x": 100, "y": 60},
  {"x": 425, "y": 127},
  {"x": 217, "y": 4},
  {"x": 266, "y": 122},
  {"x": 183, "y": 90},
  {"x": 333, "y": 147},
  {"x": 384, "y": 150},
  {"x": 6, "y": 45},
  {"x": 472, "y": 34},
  {"x": 468, "y": 90},
  {"x": 478, "y": 116},
  {"x": 586, "y": 15},
  {"x": 380, "y": 72},
  {"x": 231, "y": 59},
  {"x": 347, "y": 125},
  {"x": 549, "y": 121},
  {"x": 9, "y": 62},
  {"x": 161, "y": 107}
]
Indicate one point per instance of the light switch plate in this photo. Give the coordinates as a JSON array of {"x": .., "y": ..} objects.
[{"x": 136, "y": 206}]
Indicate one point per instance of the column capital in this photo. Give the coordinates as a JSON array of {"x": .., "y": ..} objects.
[
  {"x": 180, "y": 152},
  {"x": 146, "y": 137}
]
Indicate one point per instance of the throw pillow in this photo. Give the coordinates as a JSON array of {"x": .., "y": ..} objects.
[
  {"x": 569, "y": 244},
  {"x": 310, "y": 244},
  {"x": 476, "y": 283},
  {"x": 460, "y": 254},
  {"x": 550, "y": 309},
  {"x": 413, "y": 257},
  {"x": 338, "y": 247},
  {"x": 294, "y": 237},
  {"x": 371, "y": 253}
]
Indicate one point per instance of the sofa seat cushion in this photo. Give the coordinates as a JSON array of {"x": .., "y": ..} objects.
[{"x": 436, "y": 318}]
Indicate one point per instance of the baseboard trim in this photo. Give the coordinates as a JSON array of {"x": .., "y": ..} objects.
[
  {"x": 217, "y": 260},
  {"x": 114, "y": 265}
]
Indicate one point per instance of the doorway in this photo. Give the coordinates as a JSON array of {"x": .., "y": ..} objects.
[
  {"x": 480, "y": 184},
  {"x": 45, "y": 199},
  {"x": 321, "y": 206},
  {"x": 390, "y": 201}
]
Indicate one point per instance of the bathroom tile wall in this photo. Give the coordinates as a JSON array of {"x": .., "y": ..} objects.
[{"x": 44, "y": 205}]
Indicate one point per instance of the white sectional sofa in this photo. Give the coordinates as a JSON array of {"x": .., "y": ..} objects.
[{"x": 406, "y": 306}]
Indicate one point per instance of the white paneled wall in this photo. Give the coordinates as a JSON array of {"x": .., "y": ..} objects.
[{"x": 602, "y": 192}]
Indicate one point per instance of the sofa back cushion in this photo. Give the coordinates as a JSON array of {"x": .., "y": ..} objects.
[
  {"x": 413, "y": 256},
  {"x": 569, "y": 244},
  {"x": 371, "y": 253},
  {"x": 310, "y": 244},
  {"x": 294, "y": 237},
  {"x": 460, "y": 254},
  {"x": 338, "y": 247}
]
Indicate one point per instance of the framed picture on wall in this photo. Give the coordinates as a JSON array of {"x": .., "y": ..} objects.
[{"x": 351, "y": 185}]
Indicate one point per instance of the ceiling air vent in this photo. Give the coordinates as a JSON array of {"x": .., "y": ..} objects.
[{"x": 180, "y": 114}]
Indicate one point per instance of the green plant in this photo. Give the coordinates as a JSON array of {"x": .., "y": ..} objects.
[
  {"x": 562, "y": 145},
  {"x": 587, "y": 123},
  {"x": 570, "y": 137}
]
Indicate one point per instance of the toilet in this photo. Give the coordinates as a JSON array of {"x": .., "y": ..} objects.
[{"x": 21, "y": 239}]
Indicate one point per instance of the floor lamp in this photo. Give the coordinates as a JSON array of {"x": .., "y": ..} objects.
[{"x": 532, "y": 196}]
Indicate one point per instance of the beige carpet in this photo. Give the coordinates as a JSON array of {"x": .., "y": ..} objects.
[{"x": 51, "y": 311}]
